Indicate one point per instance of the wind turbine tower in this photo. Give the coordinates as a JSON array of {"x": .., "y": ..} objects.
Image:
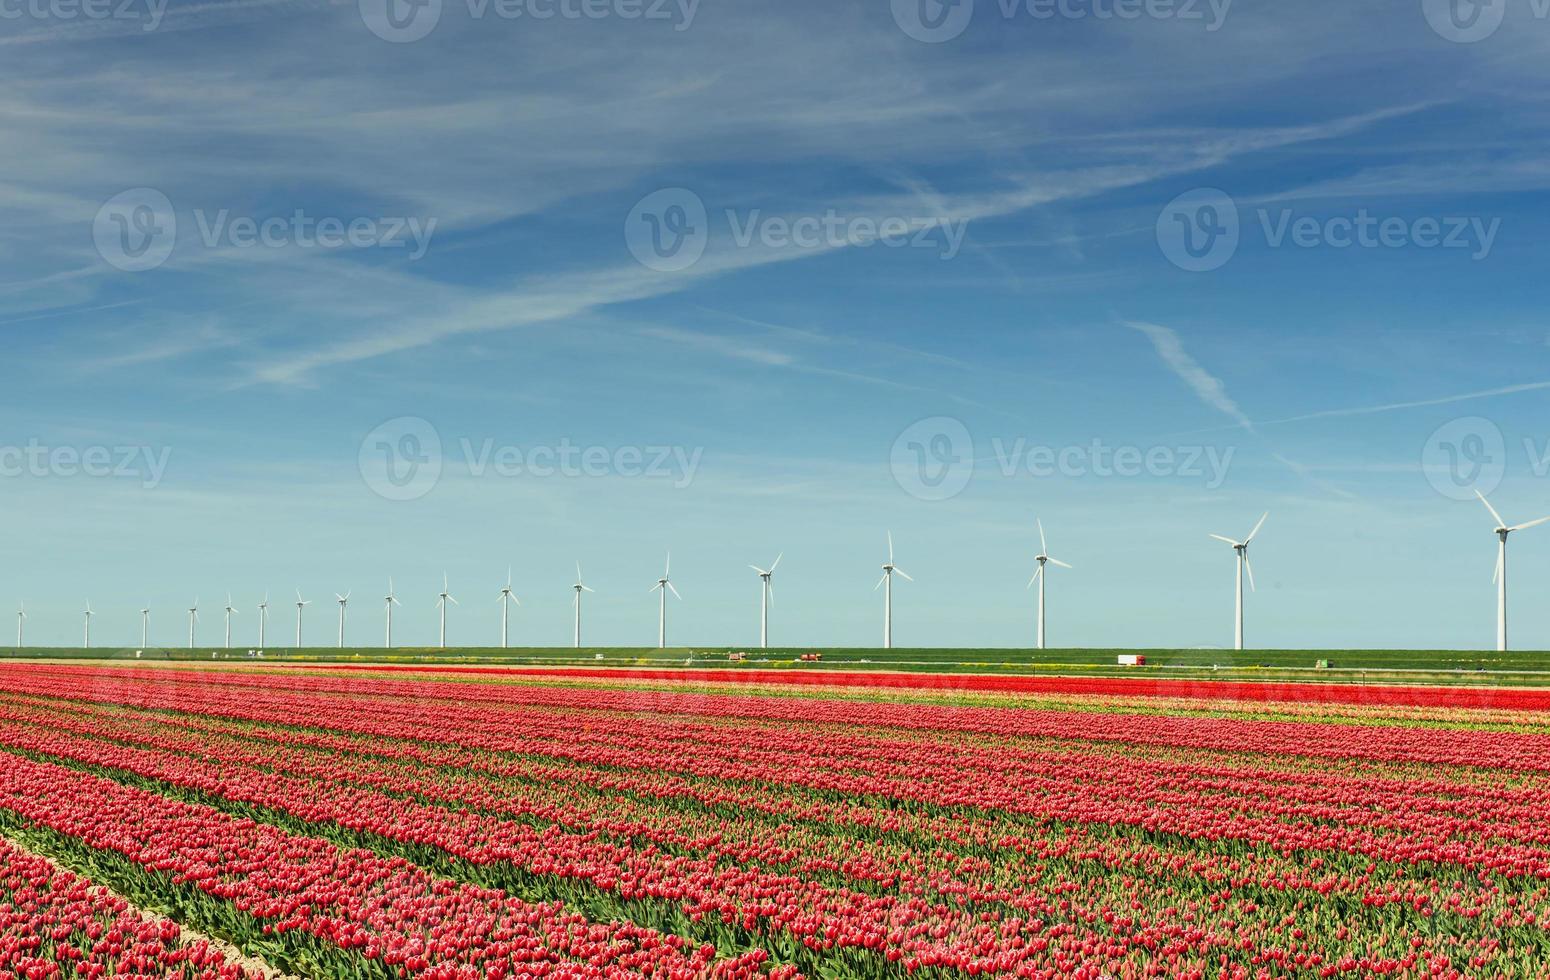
[
  {"x": 1043, "y": 558},
  {"x": 580, "y": 588},
  {"x": 1244, "y": 565},
  {"x": 663, "y": 585},
  {"x": 1502, "y": 530},
  {"x": 766, "y": 597},
  {"x": 507, "y": 598},
  {"x": 886, "y": 584}
]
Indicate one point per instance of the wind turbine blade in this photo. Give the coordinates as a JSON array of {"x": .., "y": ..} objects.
[
  {"x": 1530, "y": 524},
  {"x": 1227, "y": 540},
  {"x": 667, "y": 569},
  {"x": 772, "y": 594},
  {"x": 776, "y": 563},
  {"x": 1257, "y": 527},
  {"x": 890, "y": 547},
  {"x": 454, "y": 601},
  {"x": 1250, "y": 567},
  {"x": 654, "y": 588},
  {"x": 674, "y": 589},
  {"x": 758, "y": 569},
  {"x": 880, "y": 582},
  {"x": 1036, "y": 576},
  {"x": 1057, "y": 561},
  {"x": 1499, "y": 521},
  {"x": 586, "y": 588},
  {"x": 1496, "y": 576},
  {"x": 905, "y": 574},
  {"x": 1043, "y": 545}
]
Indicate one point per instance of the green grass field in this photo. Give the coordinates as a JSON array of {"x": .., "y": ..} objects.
[{"x": 1345, "y": 666}]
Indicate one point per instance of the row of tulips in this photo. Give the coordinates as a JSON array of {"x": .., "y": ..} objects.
[
  {"x": 323, "y": 910},
  {"x": 1193, "y": 924},
  {"x": 56, "y": 925}
]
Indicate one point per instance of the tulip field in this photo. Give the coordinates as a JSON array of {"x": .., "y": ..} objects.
[{"x": 361, "y": 822}]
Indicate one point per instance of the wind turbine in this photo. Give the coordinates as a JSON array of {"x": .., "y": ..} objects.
[
  {"x": 390, "y": 600},
  {"x": 506, "y": 600},
  {"x": 193, "y": 617},
  {"x": 579, "y": 589},
  {"x": 443, "y": 598},
  {"x": 21, "y": 617},
  {"x": 766, "y": 596},
  {"x": 89, "y": 615},
  {"x": 343, "y": 600},
  {"x": 145, "y": 627},
  {"x": 663, "y": 585},
  {"x": 300, "y": 602},
  {"x": 263, "y": 619},
  {"x": 229, "y": 613},
  {"x": 1502, "y": 530},
  {"x": 1244, "y": 565},
  {"x": 1038, "y": 576},
  {"x": 887, "y": 580}
]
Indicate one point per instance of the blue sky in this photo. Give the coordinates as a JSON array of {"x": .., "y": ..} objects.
[{"x": 996, "y": 297}]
